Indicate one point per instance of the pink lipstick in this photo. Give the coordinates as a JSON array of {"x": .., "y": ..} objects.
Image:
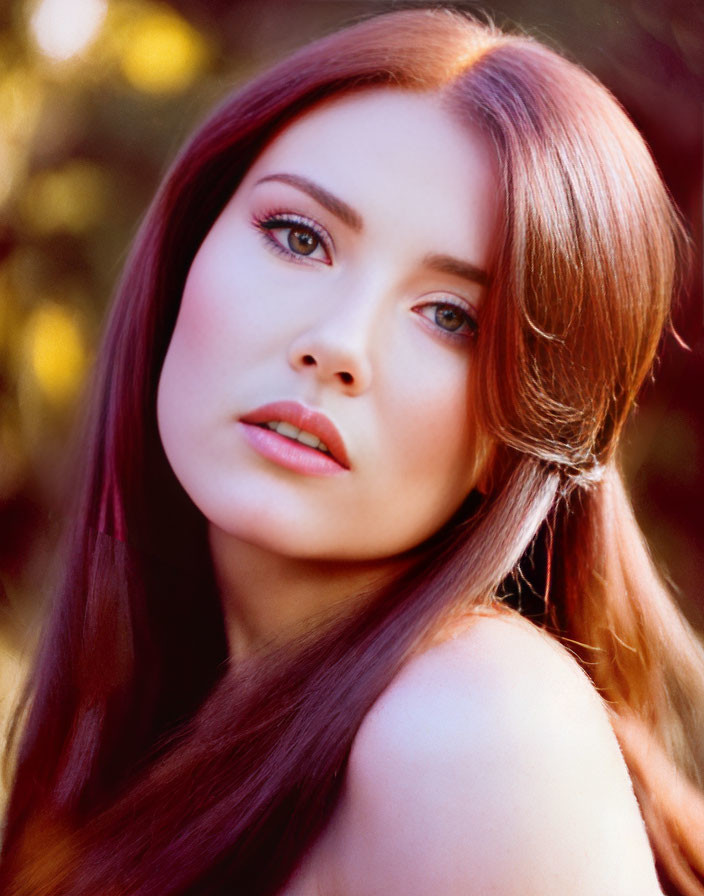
[{"x": 295, "y": 437}]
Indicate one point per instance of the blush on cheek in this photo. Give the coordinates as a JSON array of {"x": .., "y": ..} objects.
[
  {"x": 440, "y": 433},
  {"x": 196, "y": 319}
]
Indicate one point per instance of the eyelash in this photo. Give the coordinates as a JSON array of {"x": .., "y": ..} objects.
[
  {"x": 452, "y": 335},
  {"x": 283, "y": 220}
]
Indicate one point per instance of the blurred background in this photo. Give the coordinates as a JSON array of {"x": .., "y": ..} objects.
[{"x": 95, "y": 98}]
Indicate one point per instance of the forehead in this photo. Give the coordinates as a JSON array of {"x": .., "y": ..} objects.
[{"x": 385, "y": 149}]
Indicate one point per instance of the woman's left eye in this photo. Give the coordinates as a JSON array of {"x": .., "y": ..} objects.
[
  {"x": 295, "y": 237},
  {"x": 451, "y": 318}
]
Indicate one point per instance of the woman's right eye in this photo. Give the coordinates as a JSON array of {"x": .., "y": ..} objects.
[{"x": 294, "y": 237}]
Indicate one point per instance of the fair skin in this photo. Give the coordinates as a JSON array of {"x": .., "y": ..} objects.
[
  {"x": 374, "y": 329},
  {"x": 487, "y": 768},
  {"x": 344, "y": 279}
]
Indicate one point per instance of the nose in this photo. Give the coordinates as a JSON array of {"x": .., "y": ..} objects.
[{"x": 336, "y": 349}]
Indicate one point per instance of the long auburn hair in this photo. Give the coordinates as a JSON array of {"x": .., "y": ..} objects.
[{"x": 145, "y": 765}]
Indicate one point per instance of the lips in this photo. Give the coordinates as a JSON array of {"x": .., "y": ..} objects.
[{"x": 305, "y": 419}]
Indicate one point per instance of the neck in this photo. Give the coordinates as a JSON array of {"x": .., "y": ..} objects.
[{"x": 269, "y": 599}]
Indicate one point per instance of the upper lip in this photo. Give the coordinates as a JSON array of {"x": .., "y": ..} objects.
[{"x": 304, "y": 418}]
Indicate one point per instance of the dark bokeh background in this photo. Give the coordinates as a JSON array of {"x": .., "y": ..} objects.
[{"x": 95, "y": 98}]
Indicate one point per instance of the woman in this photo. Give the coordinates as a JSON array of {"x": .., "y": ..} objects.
[{"x": 360, "y": 394}]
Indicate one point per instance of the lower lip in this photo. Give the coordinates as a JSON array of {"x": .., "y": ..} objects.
[{"x": 289, "y": 454}]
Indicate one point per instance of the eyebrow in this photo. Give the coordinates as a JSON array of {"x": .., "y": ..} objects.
[
  {"x": 447, "y": 264},
  {"x": 444, "y": 264},
  {"x": 334, "y": 205}
]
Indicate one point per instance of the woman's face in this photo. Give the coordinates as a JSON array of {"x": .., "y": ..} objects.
[{"x": 337, "y": 295}]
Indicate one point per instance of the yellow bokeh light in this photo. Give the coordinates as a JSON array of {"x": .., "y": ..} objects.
[
  {"x": 56, "y": 351},
  {"x": 164, "y": 53},
  {"x": 21, "y": 97},
  {"x": 12, "y": 168},
  {"x": 72, "y": 198}
]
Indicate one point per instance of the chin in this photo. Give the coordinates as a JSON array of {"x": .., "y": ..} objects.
[
  {"x": 266, "y": 527},
  {"x": 312, "y": 540}
]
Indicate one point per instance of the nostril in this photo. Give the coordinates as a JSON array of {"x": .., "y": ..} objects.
[{"x": 344, "y": 376}]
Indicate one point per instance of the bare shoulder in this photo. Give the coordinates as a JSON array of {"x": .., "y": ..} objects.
[{"x": 488, "y": 767}]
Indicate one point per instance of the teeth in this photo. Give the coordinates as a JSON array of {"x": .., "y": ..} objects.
[
  {"x": 308, "y": 439},
  {"x": 299, "y": 435},
  {"x": 288, "y": 430}
]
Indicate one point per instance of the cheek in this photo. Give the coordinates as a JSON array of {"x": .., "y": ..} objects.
[
  {"x": 429, "y": 414},
  {"x": 198, "y": 365},
  {"x": 193, "y": 368},
  {"x": 214, "y": 304},
  {"x": 221, "y": 309},
  {"x": 238, "y": 306}
]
